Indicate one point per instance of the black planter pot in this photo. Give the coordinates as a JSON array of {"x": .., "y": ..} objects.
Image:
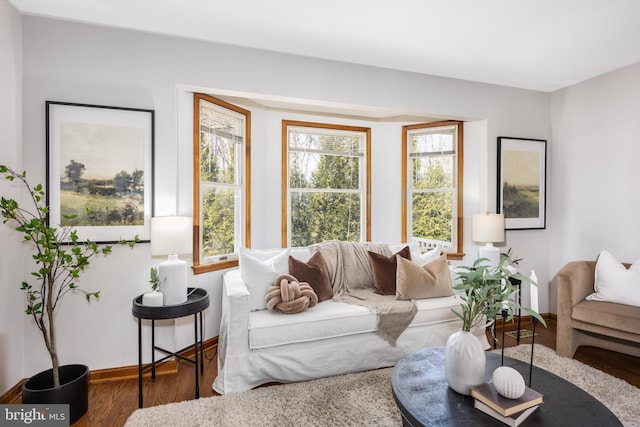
[{"x": 74, "y": 389}]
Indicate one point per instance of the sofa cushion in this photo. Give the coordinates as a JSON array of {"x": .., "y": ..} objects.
[
  {"x": 348, "y": 263},
  {"x": 615, "y": 316},
  {"x": 315, "y": 273},
  {"x": 259, "y": 269},
  {"x": 416, "y": 252},
  {"x": 333, "y": 319},
  {"x": 614, "y": 282},
  {"x": 384, "y": 270},
  {"x": 326, "y": 320},
  {"x": 425, "y": 258},
  {"x": 415, "y": 282}
]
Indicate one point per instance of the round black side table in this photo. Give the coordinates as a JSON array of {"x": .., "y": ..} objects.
[{"x": 197, "y": 302}]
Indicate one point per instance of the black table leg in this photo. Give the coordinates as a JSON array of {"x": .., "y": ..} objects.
[
  {"x": 533, "y": 339},
  {"x": 504, "y": 321},
  {"x": 153, "y": 350},
  {"x": 519, "y": 312},
  {"x": 139, "y": 363},
  {"x": 195, "y": 351},
  {"x": 495, "y": 340},
  {"x": 201, "y": 345}
]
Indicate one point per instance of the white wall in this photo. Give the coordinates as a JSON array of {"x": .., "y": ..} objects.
[
  {"x": 595, "y": 201},
  {"x": 88, "y": 64},
  {"x": 12, "y": 316}
]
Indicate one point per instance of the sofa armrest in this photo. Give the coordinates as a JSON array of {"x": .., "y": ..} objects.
[
  {"x": 575, "y": 282},
  {"x": 235, "y": 307},
  {"x": 233, "y": 340},
  {"x": 234, "y": 324},
  {"x": 234, "y": 286}
]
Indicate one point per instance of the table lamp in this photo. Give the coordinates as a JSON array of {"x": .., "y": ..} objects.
[
  {"x": 171, "y": 235},
  {"x": 489, "y": 229}
]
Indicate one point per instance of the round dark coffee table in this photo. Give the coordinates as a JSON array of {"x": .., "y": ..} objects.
[{"x": 424, "y": 398}]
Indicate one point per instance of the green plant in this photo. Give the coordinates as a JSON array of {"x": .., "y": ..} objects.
[
  {"x": 486, "y": 291},
  {"x": 154, "y": 278},
  {"x": 59, "y": 255},
  {"x": 509, "y": 258}
]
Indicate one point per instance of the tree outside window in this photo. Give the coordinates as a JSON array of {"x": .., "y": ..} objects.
[
  {"x": 221, "y": 189},
  {"x": 326, "y": 176},
  {"x": 432, "y": 177}
]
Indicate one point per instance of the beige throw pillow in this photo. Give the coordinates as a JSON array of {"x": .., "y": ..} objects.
[{"x": 415, "y": 282}]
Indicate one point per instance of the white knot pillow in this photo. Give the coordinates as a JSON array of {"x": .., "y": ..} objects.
[{"x": 289, "y": 296}]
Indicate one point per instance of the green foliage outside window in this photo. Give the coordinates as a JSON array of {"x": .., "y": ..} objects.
[
  {"x": 334, "y": 210},
  {"x": 217, "y": 166},
  {"x": 432, "y": 208},
  {"x": 217, "y": 222}
]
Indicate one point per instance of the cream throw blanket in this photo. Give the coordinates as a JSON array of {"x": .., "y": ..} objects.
[{"x": 352, "y": 280}]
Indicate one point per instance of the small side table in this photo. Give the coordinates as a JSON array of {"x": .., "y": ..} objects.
[{"x": 197, "y": 302}]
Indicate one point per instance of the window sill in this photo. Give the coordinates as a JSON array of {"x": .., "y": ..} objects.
[
  {"x": 455, "y": 256},
  {"x": 214, "y": 266}
]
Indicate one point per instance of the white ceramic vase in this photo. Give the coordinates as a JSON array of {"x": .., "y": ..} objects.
[{"x": 464, "y": 362}]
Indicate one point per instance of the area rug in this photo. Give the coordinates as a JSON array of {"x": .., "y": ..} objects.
[
  {"x": 363, "y": 399},
  {"x": 524, "y": 333}
]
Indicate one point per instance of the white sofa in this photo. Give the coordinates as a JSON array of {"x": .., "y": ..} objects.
[{"x": 332, "y": 338}]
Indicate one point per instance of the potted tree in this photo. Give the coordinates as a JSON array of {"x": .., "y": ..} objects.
[
  {"x": 486, "y": 291},
  {"x": 60, "y": 258}
]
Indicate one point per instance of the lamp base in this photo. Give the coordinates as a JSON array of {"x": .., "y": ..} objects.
[
  {"x": 172, "y": 275},
  {"x": 491, "y": 253}
]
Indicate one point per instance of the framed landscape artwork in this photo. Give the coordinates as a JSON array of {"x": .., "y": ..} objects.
[
  {"x": 522, "y": 182},
  {"x": 100, "y": 170}
]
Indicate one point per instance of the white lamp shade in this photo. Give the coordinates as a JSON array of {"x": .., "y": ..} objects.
[
  {"x": 171, "y": 235},
  {"x": 488, "y": 228}
]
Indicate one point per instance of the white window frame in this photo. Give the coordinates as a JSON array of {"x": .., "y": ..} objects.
[
  {"x": 454, "y": 248},
  {"x": 240, "y": 186},
  {"x": 365, "y": 172}
]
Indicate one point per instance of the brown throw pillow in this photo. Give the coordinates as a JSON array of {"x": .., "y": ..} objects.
[
  {"x": 315, "y": 273},
  {"x": 384, "y": 271},
  {"x": 431, "y": 281}
]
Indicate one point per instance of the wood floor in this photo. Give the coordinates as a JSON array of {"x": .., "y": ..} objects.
[{"x": 110, "y": 403}]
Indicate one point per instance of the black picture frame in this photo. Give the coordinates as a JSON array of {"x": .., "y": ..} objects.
[
  {"x": 522, "y": 191},
  {"x": 100, "y": 170}
]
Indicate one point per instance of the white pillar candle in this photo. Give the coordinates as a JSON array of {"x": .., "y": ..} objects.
[
  {"x": 505, "y": 303},
  {"x": 514, "y": 296},
  {"x": 534, "y": 292},
  {"x": 152, "y": 299}
]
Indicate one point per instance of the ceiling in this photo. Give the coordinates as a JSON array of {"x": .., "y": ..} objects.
[{"x": 542, "y": 45}]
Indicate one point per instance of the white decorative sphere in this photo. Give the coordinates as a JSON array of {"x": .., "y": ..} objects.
[{"x": 508, "y": 382}]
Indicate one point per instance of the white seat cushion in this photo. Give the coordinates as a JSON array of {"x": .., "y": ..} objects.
[
  {"x": 331, "y": 319},
  {"x": 435, "y": 310},
  {"x": 326, "y": 320}
]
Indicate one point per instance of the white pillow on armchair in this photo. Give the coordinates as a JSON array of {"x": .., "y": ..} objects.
[{"x": 614, "y": 282}]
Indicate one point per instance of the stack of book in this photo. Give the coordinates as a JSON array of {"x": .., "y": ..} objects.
[{"x": 510, "y": 411}]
